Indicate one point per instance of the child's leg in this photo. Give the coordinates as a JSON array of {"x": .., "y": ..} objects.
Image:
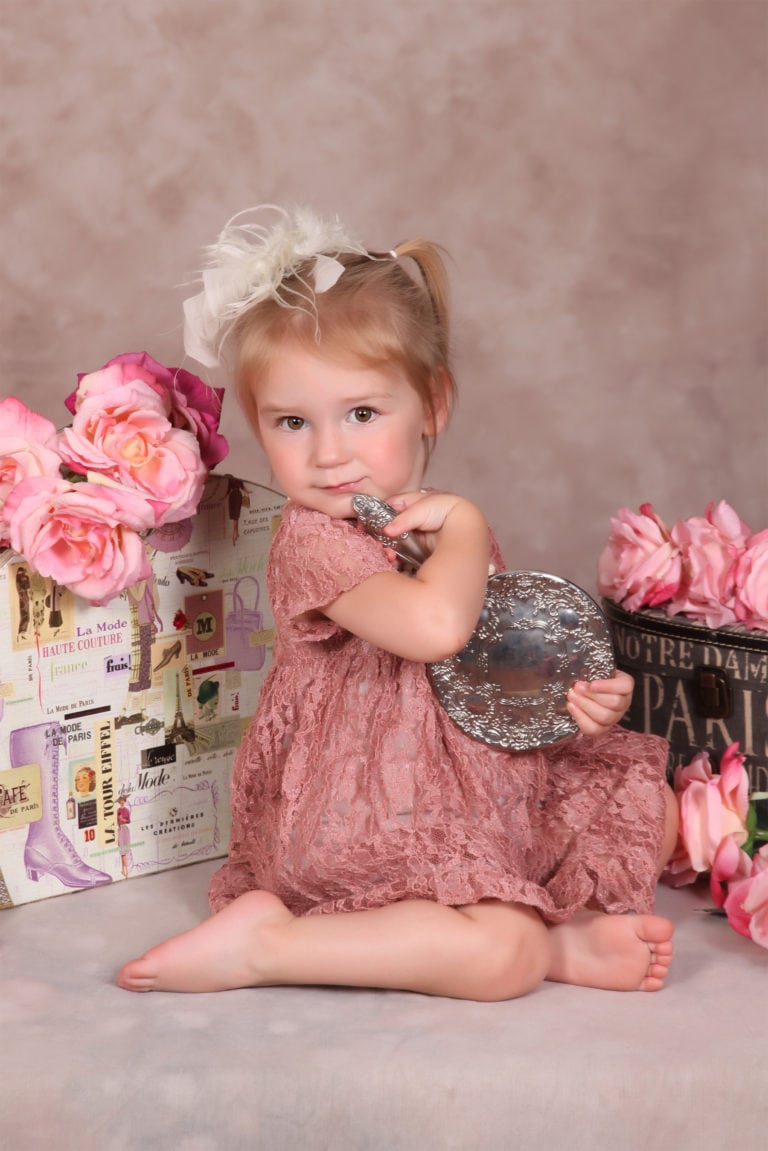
[
  {"x": 488, "y": 951},
  {"x": 618, "y": 952}
]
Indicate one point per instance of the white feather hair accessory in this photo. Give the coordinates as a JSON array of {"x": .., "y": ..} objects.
[{"x": 250, "y": 262}]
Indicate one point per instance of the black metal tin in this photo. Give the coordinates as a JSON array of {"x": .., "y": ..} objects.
[{"x": 700, "y": 688}]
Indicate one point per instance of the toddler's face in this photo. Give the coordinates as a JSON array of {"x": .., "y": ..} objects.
[{"x": 331, "y": 430}]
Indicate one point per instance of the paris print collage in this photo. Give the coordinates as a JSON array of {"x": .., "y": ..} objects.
[{"x": 119, "y": 724}]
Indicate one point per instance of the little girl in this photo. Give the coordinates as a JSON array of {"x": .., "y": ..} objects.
[{"x": 374, "y": 843}]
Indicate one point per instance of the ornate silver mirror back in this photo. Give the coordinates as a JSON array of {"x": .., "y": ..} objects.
[{"x": 537, "y": 634}]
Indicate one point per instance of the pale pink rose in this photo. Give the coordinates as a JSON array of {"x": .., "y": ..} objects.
[
  {"x": 27, "y": 448},
  {"x": 192, "y": 404},
  {"x": 713, "y": 815},
  {"x": 109, "y": 379},
  {"x": 124, "y": 434},
  {"x": 751, "y": 580},
  {"x": 83, "y": 535},
  {"x": 746, "y": 904},
  {"x": 640, "y": 565},
  {"x": 711, "y": 545}
]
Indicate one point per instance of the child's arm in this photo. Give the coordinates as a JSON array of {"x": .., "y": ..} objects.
[
  {"x": 430, "y": 615},
  {"x": 598, "y": 705}
]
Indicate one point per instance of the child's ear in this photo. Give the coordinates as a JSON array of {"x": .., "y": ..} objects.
[{"x": 436, "y": 417}]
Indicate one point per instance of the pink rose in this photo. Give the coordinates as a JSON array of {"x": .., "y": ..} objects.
[
  {"x": 83, "y": 535},
  {"x": 193, "y": 405},
  {"x": 713, "y": 815},
  {"x": 121, "y": 431},
  {"x": 751, "y": 579},
  {"x": 711, "y": 546},
  {"x": 746, "y": 904},
  {"x": 27, "y": 448},
  {"x": 640, "y": 566}
]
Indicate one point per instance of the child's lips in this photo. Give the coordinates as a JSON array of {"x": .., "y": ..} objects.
[{"x": 342, "y": 489}]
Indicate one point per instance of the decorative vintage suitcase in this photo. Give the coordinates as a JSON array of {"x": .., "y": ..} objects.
[
  {"x": 702, "y": 689},
  {"x": 119, "y": 724}
]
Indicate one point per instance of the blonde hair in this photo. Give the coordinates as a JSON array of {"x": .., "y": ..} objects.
[{"x": 376, "y": 314}]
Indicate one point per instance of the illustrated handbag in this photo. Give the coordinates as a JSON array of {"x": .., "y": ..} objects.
[
  {"x": 537, "y": 634},
  {"x": 241, "y": 623}
]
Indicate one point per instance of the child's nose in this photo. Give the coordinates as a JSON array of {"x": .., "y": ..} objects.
[{"x": 329, "y": 446}]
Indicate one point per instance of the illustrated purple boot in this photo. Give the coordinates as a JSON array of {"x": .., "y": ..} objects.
[{"x": 48, "y": 850}]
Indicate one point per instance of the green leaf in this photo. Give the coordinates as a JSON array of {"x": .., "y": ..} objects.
[{"x": 751, "y": 825}]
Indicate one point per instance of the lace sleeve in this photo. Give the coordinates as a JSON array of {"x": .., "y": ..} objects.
[{"x": 314, "y": 559}]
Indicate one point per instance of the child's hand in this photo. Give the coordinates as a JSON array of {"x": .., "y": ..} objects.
[
  {"x": 598, "y": 705},
  {"x": 426, "y": 513}
]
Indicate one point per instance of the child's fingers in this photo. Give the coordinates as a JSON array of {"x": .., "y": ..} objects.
[
  {"x": 599, "y": 701},
  {"x": 598, "y": 711},
  {"x": 404, "y": 500},
  {"x": 591, "y": 718},
  {"x": 620, "y": 683},
  {"x": 601, "y": 711},
  {"x": 426, "y": 513}
]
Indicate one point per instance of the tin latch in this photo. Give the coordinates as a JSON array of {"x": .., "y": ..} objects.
[{"x": 712, "y": 694}]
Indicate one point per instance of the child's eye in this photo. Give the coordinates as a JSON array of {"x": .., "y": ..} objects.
[
  {"x": 292, "y": 423},
  {"x": 362, "y": 415}
]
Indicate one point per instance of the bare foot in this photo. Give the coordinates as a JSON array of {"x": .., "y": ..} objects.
[
  {"x": 229, "y": 950},
  {"x": 614, "y": 952}
]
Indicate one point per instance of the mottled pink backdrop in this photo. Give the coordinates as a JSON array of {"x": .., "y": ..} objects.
[{"x": 598, "y": 170}]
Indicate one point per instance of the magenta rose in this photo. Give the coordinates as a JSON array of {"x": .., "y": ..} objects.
[
  {"x": 83, "y": 535},
  {"x": 640, "y": 566},
  {"x": 192, "y": 405},
  {"x": 711, "y": 545},
  {"x": 28, "y": 447},
  {"x": 751, "y": 579},
  {"x": 746, "y": 904},
  {"x": 713, "y": 818},
  {"x": 121, "y": 431}
]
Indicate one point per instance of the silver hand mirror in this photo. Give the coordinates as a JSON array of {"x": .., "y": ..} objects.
[{"x": 537, "y": 634}]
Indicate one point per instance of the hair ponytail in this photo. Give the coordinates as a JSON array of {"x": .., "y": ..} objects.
[{"x": 429, "y": 259}]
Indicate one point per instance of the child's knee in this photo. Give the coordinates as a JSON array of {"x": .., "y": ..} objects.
[{"x": 515, "y": 956}]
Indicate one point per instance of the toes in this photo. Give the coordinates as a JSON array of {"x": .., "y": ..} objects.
[
  {"x": 136, "y": 985},
  {"x": 661, "y": 954},
  {"x": 653, "y": 980},
  {"x": 132, "y": 977},
  {"x": 658, "y": 969},
  {"x": 656, "y": 930}
]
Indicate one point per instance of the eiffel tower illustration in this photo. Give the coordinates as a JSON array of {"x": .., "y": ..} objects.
[{"x": 180, "y": 732}]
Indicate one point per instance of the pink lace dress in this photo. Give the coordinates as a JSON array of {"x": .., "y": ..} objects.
[{"x": 353, "y": 789}]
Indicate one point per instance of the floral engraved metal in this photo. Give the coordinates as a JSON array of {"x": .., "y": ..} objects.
[
  {"x": 374, "y": 515},
  {"x": 537, "y": 634}
]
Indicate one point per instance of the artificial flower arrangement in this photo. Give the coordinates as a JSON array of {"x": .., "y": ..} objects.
[
  {"x": 78, "y": 504},
  {"x": 718, "y": 835},
  {"x": 711, "y": 569}
]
